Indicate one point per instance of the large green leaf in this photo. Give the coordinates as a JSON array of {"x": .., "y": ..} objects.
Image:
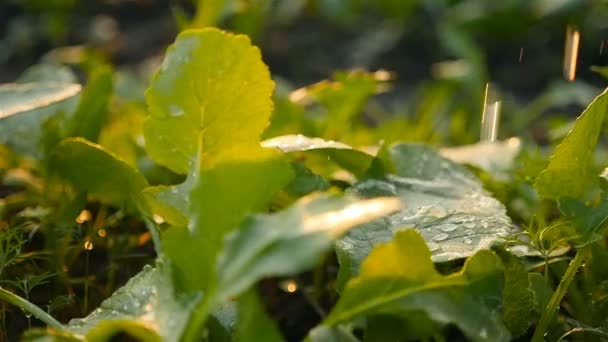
[
  {"x": 399, "y": 278},
  {"x": 147, "y": 300},
  {"x": 441, "y": 199},
  {"x": 496, "y": 157},
  {"x": 35, "y": 103},
  {"x": 213, "y": 83},
  {"x": 209, "y": 104},
  {"x": 570, "y": 172},
  {"x": 92, "y": 169},
  {"x": 23, "y": 97},
  {"x": 292, "y": 240}
]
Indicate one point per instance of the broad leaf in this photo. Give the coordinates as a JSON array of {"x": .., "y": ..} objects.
[
  {"x": 399, "y": 277},
  {"x": 210, "y": 82},
  {"x": 352, "y": 160},
  {"x": 23, "y": 97},
  {"x": 441, "y": 199},
  {"x": 35, "y": 104},
  {"x": 222, "y": 197},
  {"x": 147, "y": 300},
  {"x": 209, "y": 104},
  {"x": 589, "y": 222},
  {"x": 570, "y": 172},
  {"x": 495, "y": 157},
  {"x": 517, "y": 296},
  {"x": 92, "y": 169},
  {"x": 292, "y": 240}
]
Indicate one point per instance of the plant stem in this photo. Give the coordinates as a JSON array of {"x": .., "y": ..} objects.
[
  {"x": 550, "y": 311},
  {"x": 198, "y": 318},
  {"x": 29, "y": 307}
]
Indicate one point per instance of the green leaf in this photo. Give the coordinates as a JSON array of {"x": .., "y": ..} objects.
[
  {"x": 343, "y": 98},
  {"x": 292, "y": 240},
  {"x": 92, "y": 109},
  {"x": 92, "y": 169},
  {"x": 570, "y": 172},
  {"x": 600, "y": 70},
  {"x": 18, "y": 98},
  {"x": 117, "y": 328},
  {"x": 416, "y": 326},
  {"x": 517, "y": 296},
  {"x": 496, "y": 157},
  {"x": 441, "y": 199},
  {"x": 542, "y": 291},
  {"x": 352, "y": 160},
  {"x": 213, "y": 83},
  {"x": 589, "y": 222},
  {"x": 305, "y": 181},
  {"x": 399, "y": 277},
  {"x": 147, "y": 301},
  {"x": 253, "y": 321},
  {"x": 215, "y": 211},
  {"x": 197, "y": 126},
  {"x": 48, "y": 72},
  {"x": 35, "y": 103},
  {"x": 330, "y": 334}
]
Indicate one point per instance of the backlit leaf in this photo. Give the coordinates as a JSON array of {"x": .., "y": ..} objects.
[
  {"x": 570, "y": 170},
  {"x": 399, "y": 277},
  {"x": 92, "y": 169},
  {"x": 441, "y": 199}
]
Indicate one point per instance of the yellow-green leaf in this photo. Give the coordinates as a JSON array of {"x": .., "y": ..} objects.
[{"x": 570, "y": 170}]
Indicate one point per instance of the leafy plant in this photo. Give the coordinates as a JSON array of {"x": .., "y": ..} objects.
[{"x": 424, "y": 246}]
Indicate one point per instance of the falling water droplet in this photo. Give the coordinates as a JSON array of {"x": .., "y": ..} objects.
[
  {"x": 441, "y": 237},
  {"x": 490, "y": 119},
  {"x": 571, "y": 52},
  {"x": 521, "y": 55}
]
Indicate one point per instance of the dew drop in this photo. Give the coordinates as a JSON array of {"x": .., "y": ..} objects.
[
  {"x": 176, "y": 111},
  {"x": 437, "y": 211},
  {"x": 448, "y": 228},
  {"x": 433, "y": 246},
  {"x": 441, "y": 237}
]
